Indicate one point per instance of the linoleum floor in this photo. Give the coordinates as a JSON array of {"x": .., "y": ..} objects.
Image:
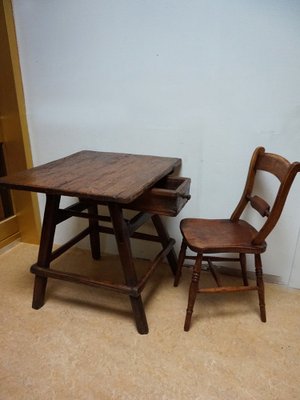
[{"x": 83, "y": 343}]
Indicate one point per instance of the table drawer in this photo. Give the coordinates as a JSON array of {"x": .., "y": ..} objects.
[{"x": 166, "y": 197}]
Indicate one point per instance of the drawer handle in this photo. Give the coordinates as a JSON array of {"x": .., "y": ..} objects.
[{"x": 185, "y": 196}]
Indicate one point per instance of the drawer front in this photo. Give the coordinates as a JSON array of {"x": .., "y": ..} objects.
[{"x": 166, "y": 197}]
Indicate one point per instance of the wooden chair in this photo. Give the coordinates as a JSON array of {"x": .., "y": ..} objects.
[{"x": 207, "y": 237}]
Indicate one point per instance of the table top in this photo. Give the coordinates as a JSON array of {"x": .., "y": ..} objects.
[{"x": 102, "y": 176}]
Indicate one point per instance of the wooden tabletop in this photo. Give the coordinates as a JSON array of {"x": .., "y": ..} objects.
[{"x": 96, "y": 175}]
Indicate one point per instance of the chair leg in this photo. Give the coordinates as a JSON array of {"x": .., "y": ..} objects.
[
  {"x": 180, "y": 262},
  {"x": 244, "y": 269},
  {"x": 193, "y": 291},
  {"x": 260, "y": 285}
]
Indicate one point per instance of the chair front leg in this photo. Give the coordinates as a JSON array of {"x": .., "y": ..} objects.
[
  {"x": 180, "y": 262},
  {"x": 194, "y": 286},
  {"x": 260, "y": 286}
]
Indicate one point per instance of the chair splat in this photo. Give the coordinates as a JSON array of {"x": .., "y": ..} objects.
[{"x": 259, "y": 205}]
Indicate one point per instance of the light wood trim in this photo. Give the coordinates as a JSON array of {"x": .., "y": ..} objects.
[
  {"x": 15, "y": 129},
  {"x": 8, "y": 227},
  {"x": 9, "y": 239},
  {"x": 13, "y": 46}
]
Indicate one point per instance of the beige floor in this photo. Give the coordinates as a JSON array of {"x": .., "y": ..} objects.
[{"x": 83, "y": 343}]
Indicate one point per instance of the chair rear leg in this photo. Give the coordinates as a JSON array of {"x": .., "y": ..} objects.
[
  {"x": 180, "y": 262},
  {"x": 260, "y": 285},
  {"x": 244, "y": 269},
  {"x": 193, "y": 291}
]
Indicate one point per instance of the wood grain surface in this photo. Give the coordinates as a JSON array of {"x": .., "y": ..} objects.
[{"x": 104, "y": 176}]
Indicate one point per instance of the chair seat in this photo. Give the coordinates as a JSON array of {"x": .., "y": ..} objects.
[{"x": 220, "y": 235}]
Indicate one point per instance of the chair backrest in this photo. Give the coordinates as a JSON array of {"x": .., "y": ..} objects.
[{"x": 284, "y": 171}]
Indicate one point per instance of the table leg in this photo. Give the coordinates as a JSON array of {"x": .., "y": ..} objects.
[
  {"x": 123, "y": 243},
  {"x": 94, "y": 233},
  {"x": 45, "y": 250},
  {"x": 164, "y": 237}
]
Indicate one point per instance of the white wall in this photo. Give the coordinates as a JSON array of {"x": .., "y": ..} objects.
[{"x": 201, "y": 80}]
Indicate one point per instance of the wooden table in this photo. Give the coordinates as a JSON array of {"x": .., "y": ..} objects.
[{"x": 119, "y": 181}]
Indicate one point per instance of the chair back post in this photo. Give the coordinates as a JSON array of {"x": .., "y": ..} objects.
[
  {"x": 284, "y": 171},
  {"x": 279, "y": 203}
]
